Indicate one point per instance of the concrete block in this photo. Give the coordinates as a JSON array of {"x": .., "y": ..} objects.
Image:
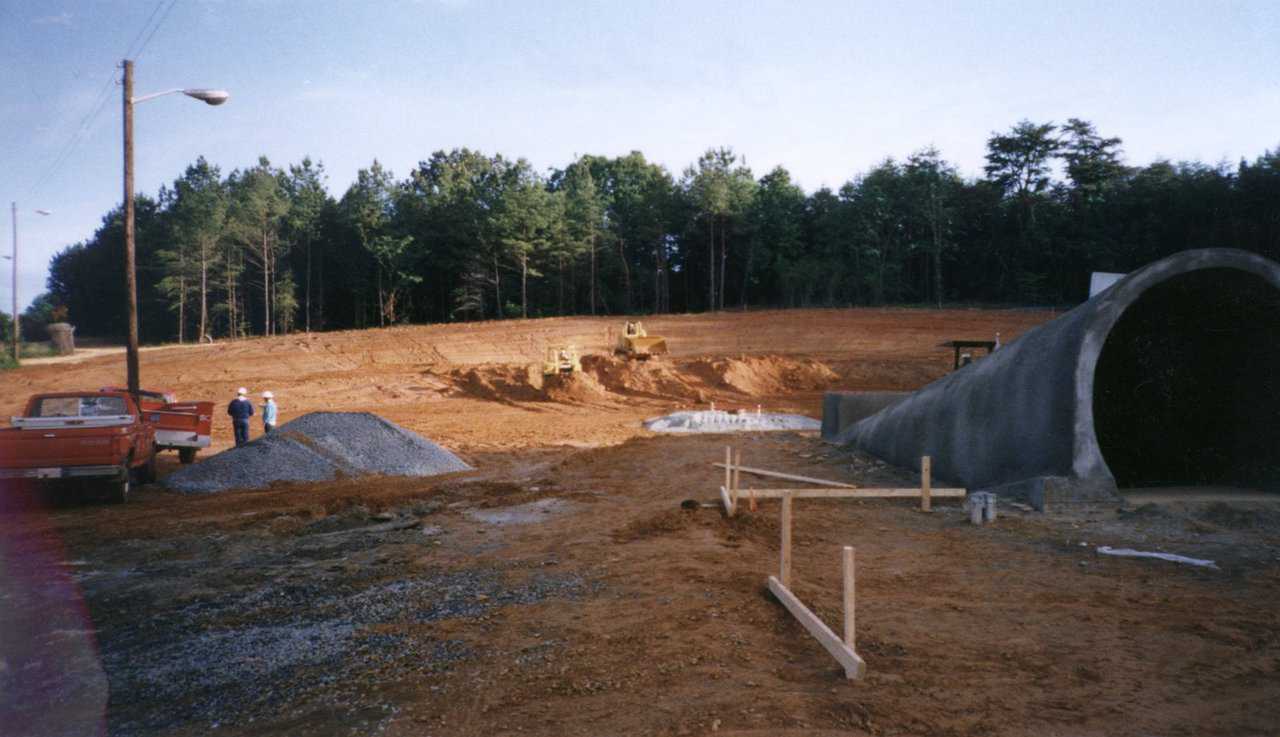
[{"x": 840, "y": 409}]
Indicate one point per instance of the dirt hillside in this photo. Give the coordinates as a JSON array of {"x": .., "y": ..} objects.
[{"x": 479, "y": 385}]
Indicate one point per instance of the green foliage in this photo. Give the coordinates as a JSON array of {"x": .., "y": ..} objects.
[
  {"x": 474, "y": 236},
  {"x": 1019, "y": 161}
]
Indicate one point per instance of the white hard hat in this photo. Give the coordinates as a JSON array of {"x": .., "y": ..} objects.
[
  {"x": 268, "y": 395},
  {"x": 242, "y": 391}
]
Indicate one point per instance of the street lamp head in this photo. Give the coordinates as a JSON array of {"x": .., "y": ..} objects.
[
  {"x": 211, "y": 97},
  {"x": 44, "y": 212}
]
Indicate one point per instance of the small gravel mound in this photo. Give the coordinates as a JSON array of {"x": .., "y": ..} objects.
[
  {"x": 719, "y": 421},
  {"x": 317, "y": 447}
]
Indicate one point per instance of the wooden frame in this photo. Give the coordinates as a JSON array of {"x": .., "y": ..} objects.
[
  {"x": 732, "y": 490},
  {"x": 842, "y": 649}
]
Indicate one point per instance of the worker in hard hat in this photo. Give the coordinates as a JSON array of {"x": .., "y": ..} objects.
[
  {"x": 270, "y": 412},
  {"x": 240, "y": 409}
]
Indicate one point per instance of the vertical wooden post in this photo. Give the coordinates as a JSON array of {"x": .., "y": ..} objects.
[
  {"x": 728, "y": 472},
  {"x": 926, "y": 469},
  {"x": 737, "y": 473},
  {"x": 130, "y": 270},
  {"x": 849, "y": 608},
  {"x": 784, "y": 574}
]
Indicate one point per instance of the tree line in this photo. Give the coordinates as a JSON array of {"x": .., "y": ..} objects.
[{"x": 466, "y": 236}]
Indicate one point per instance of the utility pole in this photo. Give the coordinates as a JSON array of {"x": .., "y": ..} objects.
[
  {"x": 207, "y": 96},
  {"x": 130, "y": 272},
  {"x": 16, "y": 329}
]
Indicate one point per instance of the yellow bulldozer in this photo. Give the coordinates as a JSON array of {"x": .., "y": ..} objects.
[
  {"x": 636, "y": 343},
  {"x": 561, "y": 360}
]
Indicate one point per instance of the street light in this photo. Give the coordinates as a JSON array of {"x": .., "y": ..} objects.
[
  {"x": 211, "y": 97},
  {"x": 17, "y": 331}
]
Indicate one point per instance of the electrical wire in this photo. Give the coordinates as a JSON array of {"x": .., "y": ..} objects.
[
  {"x": 155, "y": 28},
  {"x": 145, "y": 34},
  {"x": 128, "y": 51}
]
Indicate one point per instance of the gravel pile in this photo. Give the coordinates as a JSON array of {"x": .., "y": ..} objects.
[
  {"x": 316, "y": 447},
  {"x": 719, "y": 421}
]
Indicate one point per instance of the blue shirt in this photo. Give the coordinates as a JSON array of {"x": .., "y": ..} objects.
[
  {"x": 269, "y": 413},
  {"x": 240, "y": 410}
]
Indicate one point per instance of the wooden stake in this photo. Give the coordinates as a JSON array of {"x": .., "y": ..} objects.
[
  {"x": 728, "y": 469},
  {"x": 926, "y": 464},
  {"x": 737, "y": 473},
  {"x": 849, "y": 608},
  {"x": 730, "y": 505},
  {"x": 752, "y": 505},
  {"x": 785, "y": 572}
]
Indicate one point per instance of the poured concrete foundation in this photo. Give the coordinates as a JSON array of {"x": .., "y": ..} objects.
[
  {"x": 840, "y": 409},
  {"x": 1169, "y": 377}
]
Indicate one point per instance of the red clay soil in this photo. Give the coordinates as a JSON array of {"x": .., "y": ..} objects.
[
  {"x": 475, "y": 386},
  {"x": 1016, "y": 628}
]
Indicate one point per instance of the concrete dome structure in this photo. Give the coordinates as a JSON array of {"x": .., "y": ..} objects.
[{"x": 1169, "y": 377}]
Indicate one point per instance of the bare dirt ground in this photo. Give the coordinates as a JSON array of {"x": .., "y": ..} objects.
[{"x": 562, "y": 590}]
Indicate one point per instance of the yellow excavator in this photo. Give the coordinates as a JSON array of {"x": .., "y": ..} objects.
[
  {"x": 636, "y": 343},
  {"x": 561, "y": 360}
]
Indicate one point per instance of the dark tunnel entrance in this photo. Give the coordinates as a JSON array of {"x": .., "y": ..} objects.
[{"x": 1186, "y": 390}]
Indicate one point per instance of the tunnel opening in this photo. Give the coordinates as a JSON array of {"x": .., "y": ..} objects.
[{"x": 1186, "y": 389}]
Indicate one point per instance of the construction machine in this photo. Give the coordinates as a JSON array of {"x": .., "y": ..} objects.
[
  {"x": 636, "y": 343},
  {"x": 561, "y": 360}
]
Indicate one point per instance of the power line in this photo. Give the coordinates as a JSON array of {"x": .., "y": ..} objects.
[
  {"x": 128, "y": 51},
  {"x": 145, "y": 34},
  {"x": 159, "y": 23},
  {"x": 78, "y": 135}
]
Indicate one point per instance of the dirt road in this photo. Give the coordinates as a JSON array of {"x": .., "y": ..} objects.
[{"x": 561, "y": 589}]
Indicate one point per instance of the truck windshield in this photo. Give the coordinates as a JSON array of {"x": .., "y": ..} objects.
[{"x": 91, "y": 406}]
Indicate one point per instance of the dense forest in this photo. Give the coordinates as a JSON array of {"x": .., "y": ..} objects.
[{"x": 468, "y": 236}]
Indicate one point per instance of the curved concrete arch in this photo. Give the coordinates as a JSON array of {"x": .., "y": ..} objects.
[{"x": 1173, "y": 364}]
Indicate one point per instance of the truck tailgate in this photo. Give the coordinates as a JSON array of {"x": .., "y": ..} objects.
[
  {"x": 183, "y": 424},
  {"x": 40, "y": 448}
]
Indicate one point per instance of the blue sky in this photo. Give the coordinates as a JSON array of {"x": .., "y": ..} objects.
[{"x": 825, "y": 88}]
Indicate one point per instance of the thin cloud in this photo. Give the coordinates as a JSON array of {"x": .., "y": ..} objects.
[{"x": 61, "y": 19}]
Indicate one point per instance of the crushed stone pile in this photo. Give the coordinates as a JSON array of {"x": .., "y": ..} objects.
[
  {"x": 317, "y": 447},
  {"x": 719, "y": 421}
]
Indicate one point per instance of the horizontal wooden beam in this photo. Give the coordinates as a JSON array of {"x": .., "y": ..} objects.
[
  {"x": 854, "y": 667},
  {"x": 844, "y": 493},
  {"x": 787, "y": 476}
]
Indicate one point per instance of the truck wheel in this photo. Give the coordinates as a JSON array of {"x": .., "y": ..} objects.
[
  {"x": 118, "y": 491},
  {"x": 186, "y": 456},
  {"x": 147, "y": 474}
]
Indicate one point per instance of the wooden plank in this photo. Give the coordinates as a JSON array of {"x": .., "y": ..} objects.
[
  {"x": 787, "y": 476},
  {"x": 729, "y": 506},
  {"x": 854, "y": 667},
  {"x": 728, "y": 469},
  {"x": 926, "y": 468},
  {"x": 849, "y": 603},
  {"x": 785, "y": 552},
  {"x": 843, "y": 493}
]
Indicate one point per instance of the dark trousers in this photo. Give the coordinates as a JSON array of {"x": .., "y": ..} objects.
[
  {"x": 242, "y": 431},
  {"x": 267, "y": 428}
]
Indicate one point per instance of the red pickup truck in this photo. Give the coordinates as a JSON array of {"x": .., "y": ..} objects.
[
  {"x": 94, "y": 436},
  {"x": 182, "y": 426}
]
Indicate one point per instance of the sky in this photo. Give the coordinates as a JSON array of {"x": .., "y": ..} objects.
[{"x": 826, "y": 89}]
